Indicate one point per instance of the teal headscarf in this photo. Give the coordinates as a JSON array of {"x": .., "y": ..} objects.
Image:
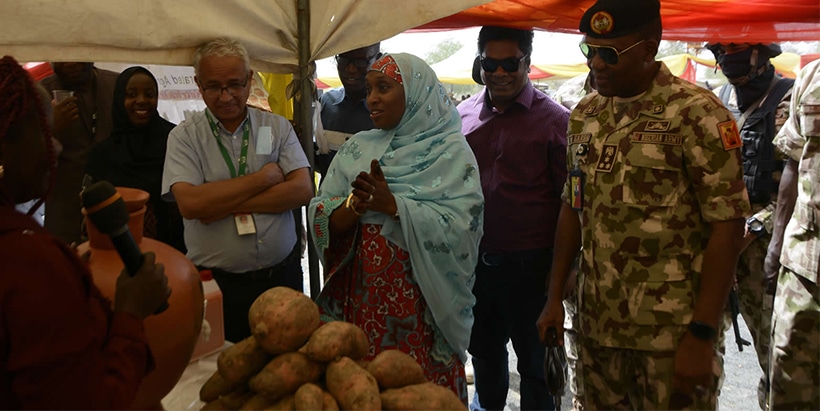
[{"x": 433, "y": 175}]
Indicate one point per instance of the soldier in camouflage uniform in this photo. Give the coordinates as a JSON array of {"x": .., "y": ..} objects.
[
  {"x": 795, "y": 361},
  {"x": 656, "y": 198},
  {"x": 759, "y": 99}
]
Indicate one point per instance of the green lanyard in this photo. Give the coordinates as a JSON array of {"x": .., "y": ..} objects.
[{"x": 243, "y": 155}]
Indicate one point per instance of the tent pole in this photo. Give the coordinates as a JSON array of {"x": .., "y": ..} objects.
[{"x": 305, "y": 120}]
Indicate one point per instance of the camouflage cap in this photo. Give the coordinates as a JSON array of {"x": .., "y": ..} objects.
[{"x": 608, "y": 19}]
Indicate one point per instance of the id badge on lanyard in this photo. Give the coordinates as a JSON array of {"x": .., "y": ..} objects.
[{"x": 244, "y": 221}]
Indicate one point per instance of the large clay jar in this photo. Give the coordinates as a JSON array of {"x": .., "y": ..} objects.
[{"x": 172, "y": 334}]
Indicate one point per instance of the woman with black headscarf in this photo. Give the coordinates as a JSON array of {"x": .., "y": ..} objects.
[{"x": 134, "y": 154}]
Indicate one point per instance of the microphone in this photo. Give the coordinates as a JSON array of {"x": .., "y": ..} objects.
[{"x": 107, "y": 211}]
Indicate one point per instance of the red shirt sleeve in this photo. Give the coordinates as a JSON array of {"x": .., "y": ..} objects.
[{"x": 62, "y": 347}]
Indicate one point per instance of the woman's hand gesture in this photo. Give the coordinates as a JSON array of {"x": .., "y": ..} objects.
[{"x": 372, "y": 191}]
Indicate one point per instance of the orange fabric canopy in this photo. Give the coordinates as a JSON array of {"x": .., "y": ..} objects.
[{"x": 748, "y": 21}]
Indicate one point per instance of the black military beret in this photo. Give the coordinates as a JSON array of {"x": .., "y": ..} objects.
[{"x": 608, "y": 19}]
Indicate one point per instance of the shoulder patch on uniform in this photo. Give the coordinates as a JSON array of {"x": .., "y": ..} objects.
[
  {"x": 607, "y": 160},
  {"x": 579, "y": 138},
  {"x": 729, "y": 135}
]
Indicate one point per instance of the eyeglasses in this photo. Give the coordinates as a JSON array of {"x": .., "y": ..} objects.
[
  {"x": 608, "y": 54},
  {"x": 359, "y": 63},
  {"x": 510, "y": 65},
  {"x": 232, "y": 89}
]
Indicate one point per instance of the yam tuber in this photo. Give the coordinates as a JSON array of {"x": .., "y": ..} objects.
[
  {"x": 284, "y": 404},
  {"x": 257, "y": 402},
  {"x": 352, "y": 386},
  {"x": 337, "y": 339},
  {"x": 424, "y": 396},
  {"x": 234, "y": 400},
  {"x": 308, "y": 397},
  {"x": 242, "y": 360},
  {"x": 395, "y": 369},
  {"x": 284, "y": 374},
  {"x": 282, "y": 319},
  {"x": 328, "y": 402},
  {"x": 215, "y": 387}
]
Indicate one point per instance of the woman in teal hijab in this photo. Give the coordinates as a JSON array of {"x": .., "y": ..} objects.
[{"x": 397, "y": 222}]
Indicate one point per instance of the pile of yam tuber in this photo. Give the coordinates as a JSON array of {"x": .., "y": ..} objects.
[{"x": 291, "y": 362}]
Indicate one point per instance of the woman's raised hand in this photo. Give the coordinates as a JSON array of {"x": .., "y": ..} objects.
[{"x": 372, "y": 190}]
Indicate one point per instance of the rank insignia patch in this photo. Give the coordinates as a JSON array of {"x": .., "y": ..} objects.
[
  {"x": 579, "y": 138},
  {"x": 657, "y": 125},
  {"x": 607, "y": 160}
]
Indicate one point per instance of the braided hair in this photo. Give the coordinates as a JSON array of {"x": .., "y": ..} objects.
[{"x": 18, "y": 95}]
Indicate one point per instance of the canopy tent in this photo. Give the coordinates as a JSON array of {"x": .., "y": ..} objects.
[
  {"x": 167, "y": 32},
  {"x": 750, "y": 21}
]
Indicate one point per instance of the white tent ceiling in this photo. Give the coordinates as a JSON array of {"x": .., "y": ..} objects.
[{"x": 168, "y": 31}]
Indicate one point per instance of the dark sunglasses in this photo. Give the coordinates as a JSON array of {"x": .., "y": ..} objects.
[
  {"x": 610, "y": 55},
  {"x": 342, "y": 61},
  {"x": 510, "y": 65}
]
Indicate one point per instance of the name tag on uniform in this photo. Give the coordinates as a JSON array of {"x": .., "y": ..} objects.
[
  {"x": 656, "y": 138},
  {"x": 244, "y": 224},
  {"x": 264, "y": 141}
]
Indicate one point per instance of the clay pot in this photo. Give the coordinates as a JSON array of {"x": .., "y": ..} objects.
[{"x": 172, "y": 334}]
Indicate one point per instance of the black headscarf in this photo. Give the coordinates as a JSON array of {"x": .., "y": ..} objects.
[{"x": 134, "y": 157}]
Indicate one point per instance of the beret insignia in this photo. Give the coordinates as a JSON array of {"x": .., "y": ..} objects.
[{"x": 602, "y": 22}]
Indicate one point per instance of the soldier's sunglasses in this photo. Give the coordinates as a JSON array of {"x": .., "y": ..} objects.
[
  {"x": 610, "y": 55},
  {"x": 510, "y": 65}
]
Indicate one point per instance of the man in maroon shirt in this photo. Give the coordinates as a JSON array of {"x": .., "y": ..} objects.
[{"x": 518, "y": 135}]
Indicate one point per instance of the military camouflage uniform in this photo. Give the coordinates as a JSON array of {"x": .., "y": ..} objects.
[
  {"x": 657, "y": 169},
  {"x": 755, "y": 304},
  {"x": 795, "y": 368}
]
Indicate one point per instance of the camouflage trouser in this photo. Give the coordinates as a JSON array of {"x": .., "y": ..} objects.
[
  {"x": 621, "y": 379},
  {"x": 755, "y": 306},
  {"x": 795, "y": 371}
]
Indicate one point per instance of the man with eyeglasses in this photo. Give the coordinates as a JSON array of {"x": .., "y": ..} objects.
[
  {"x": 344, "y": 111},
  {"x": 236, "y": 173},
  {"x": 759, "y": 99},
  {"x": 655, "y": 201},
  {"x": 518, "y": 135}
]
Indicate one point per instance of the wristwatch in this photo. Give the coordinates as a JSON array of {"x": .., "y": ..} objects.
[
  {"x": 756, "y": 226},
  {"x": 702, "y": 331}
]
